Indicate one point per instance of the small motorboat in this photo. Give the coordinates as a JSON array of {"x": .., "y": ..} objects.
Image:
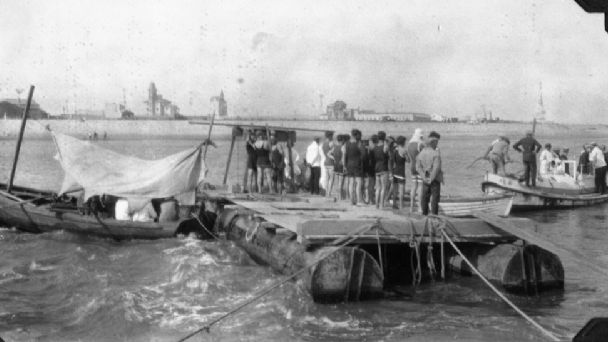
[{"x": 554, "y": 190}]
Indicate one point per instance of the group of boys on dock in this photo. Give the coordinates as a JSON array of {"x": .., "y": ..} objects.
[{"x": 365, "y": 172}]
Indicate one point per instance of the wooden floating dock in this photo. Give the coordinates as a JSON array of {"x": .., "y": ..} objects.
[{"x": 290, "y": 232}]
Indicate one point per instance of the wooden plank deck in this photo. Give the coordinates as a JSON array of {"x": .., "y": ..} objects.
[{"x": 318, "y": 219}]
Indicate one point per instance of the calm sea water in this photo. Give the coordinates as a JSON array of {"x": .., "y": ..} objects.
[{"x": 64, "y": 287}]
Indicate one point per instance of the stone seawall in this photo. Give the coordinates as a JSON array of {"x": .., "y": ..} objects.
[{"x": 138, "y": 129}]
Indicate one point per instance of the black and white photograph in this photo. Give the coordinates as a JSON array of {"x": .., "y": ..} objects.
[{"x": 288, "y": 170}]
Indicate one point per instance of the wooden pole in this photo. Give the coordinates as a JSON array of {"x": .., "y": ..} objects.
[
  {"x": 291, "y": 172},
  {"x": 22, "y": 129},
  {"x": 208, "y": 137},
  {"x": 534, "y": 126},
  {"x": 229, "y": 158}
]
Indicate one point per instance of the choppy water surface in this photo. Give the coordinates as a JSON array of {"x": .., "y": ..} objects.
[{"x": 63, "y": 287}]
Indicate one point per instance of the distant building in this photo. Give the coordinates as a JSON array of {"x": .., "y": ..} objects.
[
  {"x": 113, "y": 110},
  {"x": 35, "y": 111},
  {"x": 339, "y": 111},
  {"x": 157, "y": 106},
  {"x": 219, "y": 105},
  {"x": 438, "y": 117},
  {"x": 370, "y": 115},
  {"x": 93, "y": 114}
]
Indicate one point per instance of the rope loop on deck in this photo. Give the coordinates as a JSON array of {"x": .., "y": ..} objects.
[{"x": 250, "y": 234}]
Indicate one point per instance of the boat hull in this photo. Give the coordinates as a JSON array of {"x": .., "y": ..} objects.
[
  {"x": 525, "y": 198},
  {"x": 495, "y": 204},
  {"x": 33, "y": 218}
]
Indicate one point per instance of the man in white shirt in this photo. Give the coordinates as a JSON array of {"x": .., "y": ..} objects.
[
  {"x": 313, "y": 158},
  {"x": 546, "y": 160},
  {"x": 596, "y": 157}
]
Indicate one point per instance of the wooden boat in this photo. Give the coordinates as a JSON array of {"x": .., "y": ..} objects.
[
  {"x": 35, "y": 211},
  {"x": 496, "y": 204},
  {"x": 555, "y": 191}
]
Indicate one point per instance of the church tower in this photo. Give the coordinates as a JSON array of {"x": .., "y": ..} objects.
[
  {"x": 152, "y": 98},
  {"x": 222, "y": 105}
]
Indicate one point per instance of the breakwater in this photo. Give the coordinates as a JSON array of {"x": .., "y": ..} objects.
[{"x": 166, "y": 128}]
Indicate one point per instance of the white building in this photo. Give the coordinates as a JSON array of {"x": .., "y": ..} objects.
[
  {"x": 370, "y": 115},
  {"x": 113, "y": 111}
]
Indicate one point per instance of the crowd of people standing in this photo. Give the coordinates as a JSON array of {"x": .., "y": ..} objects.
[
  {"x": 363, "y": 171},
  {"x": 373, "y": 171},
  {"x": 539, "y": 161}
]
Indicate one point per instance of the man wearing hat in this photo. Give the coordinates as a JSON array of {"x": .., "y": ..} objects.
[
  {"x": 596, "y": 157},
  {"x": 428, "y": 166},
  {"x": 498, "y": 154},
  {"x": 529, "y": 148}
]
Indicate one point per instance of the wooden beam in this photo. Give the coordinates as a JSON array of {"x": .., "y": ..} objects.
[
  {"x": 229, "y": 159},
  {"x": 208, "y": 137},
  {"x": 21, "y": 130}
]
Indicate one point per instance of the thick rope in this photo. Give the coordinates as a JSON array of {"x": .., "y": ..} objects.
[
  {"x": 352, "y": 237},
  {"x": 442, "y": 257},
  {"x": 429, "y": 226},
  {"x": 500, "y": 294},
  {"x": 249, "y": 234},
  {"x": 203, "y": 226},
  {"x": 380, "y": 252}
]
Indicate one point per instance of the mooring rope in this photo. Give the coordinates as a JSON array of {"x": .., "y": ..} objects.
[
  {"x": 349, "y": 239},
  {"x": 202, "y": 225},
  {"x": 249, "y": 234},
  {"x": 380, "y": 252},
  {"x": 500, "y": 294}
]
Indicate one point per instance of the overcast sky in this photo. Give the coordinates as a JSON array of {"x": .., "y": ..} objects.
[{"x": 275, "y": 57}]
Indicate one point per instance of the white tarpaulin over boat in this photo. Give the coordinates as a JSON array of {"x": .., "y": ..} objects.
[{"x": 100, "y": 171}]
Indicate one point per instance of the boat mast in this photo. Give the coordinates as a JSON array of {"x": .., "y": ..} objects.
[
  {"x": 21, "y": 130},
  {"x": 208, "y": 137}
]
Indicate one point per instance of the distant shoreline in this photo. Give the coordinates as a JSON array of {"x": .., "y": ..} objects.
[{"x": 176, "y": 129}]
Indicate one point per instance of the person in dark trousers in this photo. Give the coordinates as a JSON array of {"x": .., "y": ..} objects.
[
  {"x": 277, "y": 159},
  {"x": 338, "y": 173},
  {"x": 381, "y": 157},
  {"x": 428, "y": 166},
  {"x": 369, "y": 176},
  {"x": 584, "y": 167},
  {"x": 252, "y": 163},
  {"x": 399, "y": 158},
  {"x": 596, "y": 157},
  {"x": 529, "y": 148},
  {"x": 353, "y": 166},
  {"x": 264, "y": 167}
]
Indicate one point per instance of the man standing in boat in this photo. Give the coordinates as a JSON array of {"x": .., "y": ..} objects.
[
  {"x": 596, "y": 157},
  {"x": 428, "y": 166},
  {"x": 498, "y": 154},
  {"x": 529, "y": 148},
  {"x": 583, "y": 160}
]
